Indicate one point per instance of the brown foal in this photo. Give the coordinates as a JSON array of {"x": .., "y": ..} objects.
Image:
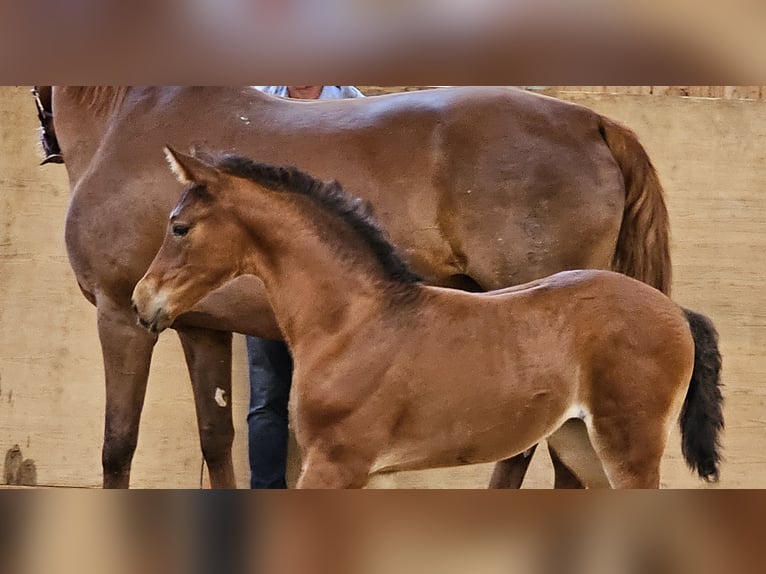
[{"x": 392, "y": 374}]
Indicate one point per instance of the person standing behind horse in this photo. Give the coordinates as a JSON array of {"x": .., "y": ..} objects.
[
  {"x": 270, "y": 363},
  {"x": 313, "y": 92}
]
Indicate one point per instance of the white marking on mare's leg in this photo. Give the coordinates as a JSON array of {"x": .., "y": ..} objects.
[{"x": 220, "y": 397}]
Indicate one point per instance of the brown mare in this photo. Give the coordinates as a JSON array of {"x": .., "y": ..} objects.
[
  {"x": 482, "y": 188},
  {"x": 391, "y": 374}
]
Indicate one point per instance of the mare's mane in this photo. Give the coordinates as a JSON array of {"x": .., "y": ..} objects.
[
  {"x": 332, "y": 198},
  {"x": 99, "y": 99}
]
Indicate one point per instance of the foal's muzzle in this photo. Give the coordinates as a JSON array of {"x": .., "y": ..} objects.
[
  {"x": 150, "y": 307},
  {"x": 156, "y": 324},
  {"x": 139, "y": 318}
]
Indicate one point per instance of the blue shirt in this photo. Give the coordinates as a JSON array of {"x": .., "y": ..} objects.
[{"x": 328, "y": 92}]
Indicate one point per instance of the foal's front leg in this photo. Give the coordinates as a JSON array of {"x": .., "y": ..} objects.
[{"x": 333, "y": 467}]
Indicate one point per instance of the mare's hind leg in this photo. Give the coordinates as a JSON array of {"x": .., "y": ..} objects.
[
  {"x": 208, "y": 356},
  {"x": 127, "y": 351},
  {"x": 564, "y": 477},
  {"x": 509, "y": 473}
]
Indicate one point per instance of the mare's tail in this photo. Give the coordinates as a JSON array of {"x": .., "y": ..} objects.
[
  {"x": 701, "y": 415},
  {"x": 643, "y": 245}
]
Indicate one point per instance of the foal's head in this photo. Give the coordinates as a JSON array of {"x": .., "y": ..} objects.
[
  {"x": 203, "y": 248},
  {"x": 208, "y": 241}
]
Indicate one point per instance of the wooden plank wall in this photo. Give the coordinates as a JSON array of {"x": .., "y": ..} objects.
[{"x": 719, "y": 92}]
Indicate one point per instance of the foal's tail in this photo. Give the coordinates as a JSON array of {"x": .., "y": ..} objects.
[
  {"x": 643, "y": 245},
  {"x": 701, "y": 415}
]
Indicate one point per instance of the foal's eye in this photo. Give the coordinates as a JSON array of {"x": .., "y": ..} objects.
[{"x": 180, "y": 230}]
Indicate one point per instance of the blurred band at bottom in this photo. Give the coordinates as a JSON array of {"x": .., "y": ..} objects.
[{"x": 382, "y": 532}]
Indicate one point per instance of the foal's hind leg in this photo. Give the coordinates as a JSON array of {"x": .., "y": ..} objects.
[
  {"x": 127, "y": 351},
  {"x": 630, "y": 452},
  {"x": 208, "y": 356}
]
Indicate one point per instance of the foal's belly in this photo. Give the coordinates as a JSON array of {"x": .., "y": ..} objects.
[{"x": 464, "y": 442}]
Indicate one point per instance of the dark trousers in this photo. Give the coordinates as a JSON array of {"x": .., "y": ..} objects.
[{"x": 271, "y": 370}]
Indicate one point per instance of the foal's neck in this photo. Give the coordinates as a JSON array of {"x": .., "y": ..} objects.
[{"x": 320, "y": 275}]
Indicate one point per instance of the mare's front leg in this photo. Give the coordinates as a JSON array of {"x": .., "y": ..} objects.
[
  {"x": 208, "y": 357},
  {"x": 127, "y": 352}
]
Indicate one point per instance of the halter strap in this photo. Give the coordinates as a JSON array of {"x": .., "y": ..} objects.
[{"x": 48, "y": 135}]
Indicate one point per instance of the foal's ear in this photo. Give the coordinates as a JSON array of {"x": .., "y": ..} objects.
[{"x": 190, "y": 170}]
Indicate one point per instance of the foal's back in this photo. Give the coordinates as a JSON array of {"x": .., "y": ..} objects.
[{"x": 586, "y": 328}]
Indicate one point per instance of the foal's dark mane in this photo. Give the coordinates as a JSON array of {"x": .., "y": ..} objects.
[{"x": 330, "y": 196}]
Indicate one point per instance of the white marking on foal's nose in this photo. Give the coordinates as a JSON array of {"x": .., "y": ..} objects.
[
  {"x": 160, "y": 299},
  {"x": 155, "y": 303}
]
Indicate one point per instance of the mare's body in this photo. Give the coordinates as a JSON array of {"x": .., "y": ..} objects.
[{"x": 481, "y": 188}]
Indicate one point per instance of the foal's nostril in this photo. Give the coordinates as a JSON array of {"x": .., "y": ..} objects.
[{"x": 139, "y": 320}]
